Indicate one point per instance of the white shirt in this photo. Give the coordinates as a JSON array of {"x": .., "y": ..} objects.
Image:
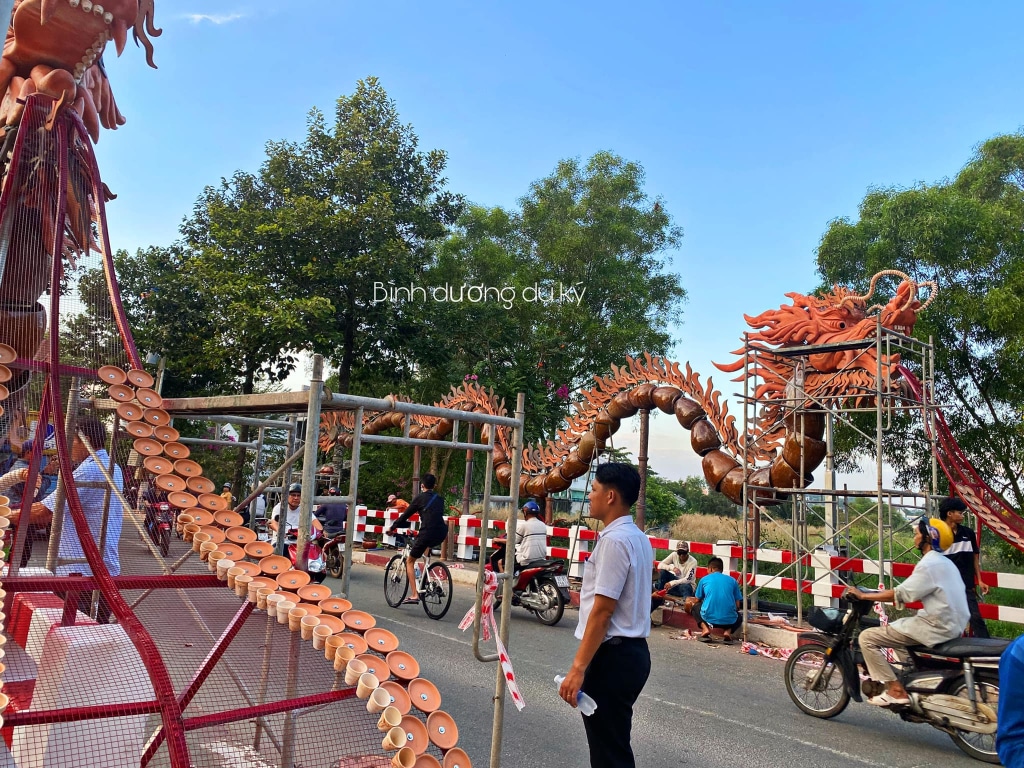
[
  {"x": 531, "y": 540},
  {"x": 685, "y": 571},
  {"x": 937, "y": 584},
  {"x": 291, "y": 519},
  {"x": 261, "y": 506},
  {"x": 92, "y": 507},
  {"x": 619, "y": 568}
]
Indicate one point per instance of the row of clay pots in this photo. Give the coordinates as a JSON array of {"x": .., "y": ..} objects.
[{"x": 404, "y": 734}]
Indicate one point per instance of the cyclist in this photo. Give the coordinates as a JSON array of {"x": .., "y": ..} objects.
[{"x": 433, "y": 530}]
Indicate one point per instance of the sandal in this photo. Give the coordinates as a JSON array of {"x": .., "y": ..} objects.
[
  {"x": 411, "y": 601},
  {"x": 706, "y": 639},
  {"x": 728, "y": 640}
]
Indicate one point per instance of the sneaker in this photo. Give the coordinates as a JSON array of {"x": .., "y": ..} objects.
[{"x": 888, "y": 700}]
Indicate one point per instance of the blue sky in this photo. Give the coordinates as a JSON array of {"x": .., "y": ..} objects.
[{"x": 757, "y": 123}]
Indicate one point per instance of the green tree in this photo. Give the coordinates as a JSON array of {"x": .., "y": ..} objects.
[
  {"x": 587, "y": 228},
  {"x": 968, "y": 234},
  {"x": 698, "y": 499},
  {"x": 349, "y": 212}
]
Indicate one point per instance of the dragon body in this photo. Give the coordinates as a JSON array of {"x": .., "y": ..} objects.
[{"x": 780, "y": 452}]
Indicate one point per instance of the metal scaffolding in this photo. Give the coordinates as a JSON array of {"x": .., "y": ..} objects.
[{"x": 825, "y": 522}]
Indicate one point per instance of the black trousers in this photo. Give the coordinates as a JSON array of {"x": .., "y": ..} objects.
[
  {"x": 616, "y": 676},
  {"x": 978, "y": 627}
]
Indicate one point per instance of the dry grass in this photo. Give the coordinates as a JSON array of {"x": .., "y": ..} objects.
[{"x": 712, "y": 528}]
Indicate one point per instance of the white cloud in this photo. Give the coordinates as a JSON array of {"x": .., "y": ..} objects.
[{"x": 213, "y": 18}]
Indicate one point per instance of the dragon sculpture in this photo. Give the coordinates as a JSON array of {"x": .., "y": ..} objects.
[{"x": 787, "y": 439}]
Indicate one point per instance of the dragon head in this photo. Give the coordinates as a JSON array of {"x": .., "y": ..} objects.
[{"x": 838, "y": 316}]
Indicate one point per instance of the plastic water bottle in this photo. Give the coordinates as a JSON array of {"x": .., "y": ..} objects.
[
  {"x": 585, "y": 704},
  {"x": 416, "y": 570}
]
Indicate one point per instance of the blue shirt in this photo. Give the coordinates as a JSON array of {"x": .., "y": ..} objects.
[
  {"x": 719, "y": 593},
  {"x": 92, "y": 508},
  {"x": 1010, "y": 736}
]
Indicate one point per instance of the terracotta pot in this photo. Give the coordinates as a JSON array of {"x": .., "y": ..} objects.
[
  {"x": 390, "y": 717},
  {"x": 716, "y": 465},
  {"x": 442, "y": 730},
  {"x": 415, "y": 734},
  {"x": 395, "y": 739},
  {"x": 426, "y": 761},
  {"x": 704, "y": 437},
  {"x": 456, "y": 758},
  {"x": 283, "y": 608},
  {"x": 110, "y": 374},
  {"x": 424, "y": 695},
  {"x": 378, "y": 700},
  {"x": 320, "y": 635},
  {"x": 642, "y": 397},
  {"x": 687, "y": 412},
  {"x": 732, "y": 485},
  {"x": 140, "y": 378},
  {"x": 399, "y": 696},
  {"x": 664, "y": 398},
  {"x": 813, "y": 451},
  {"x": 353, "y": 671},
  {"x": 22, "y": 327},
  {"x": 343, "y": 656},
  {"x": 403, "y": 665},
  {"x": 223, "y": 566},
  {"x": 380, "y": 640},
  {"x": 307, "y": 625}
]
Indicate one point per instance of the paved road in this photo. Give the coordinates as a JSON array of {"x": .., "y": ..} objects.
[{"x": 703, "y": 706}]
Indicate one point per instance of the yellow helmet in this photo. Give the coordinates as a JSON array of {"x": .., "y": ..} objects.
[{"x": 939, "y": 534}]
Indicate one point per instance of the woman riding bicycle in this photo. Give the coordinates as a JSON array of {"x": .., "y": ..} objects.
[{"x": 433, "y": 529}]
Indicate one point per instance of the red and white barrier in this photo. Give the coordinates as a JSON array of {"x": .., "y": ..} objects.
[{"x": 821, "y": 568}]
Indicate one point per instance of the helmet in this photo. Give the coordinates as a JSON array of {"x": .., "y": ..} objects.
[
  {"x": 295, "y": 488},
  {"x": 938, "y": 532},
  {"x": 332, "y": 491},
  {"x": 391, "y": 498},
  {"x": 532, "y": 507}
]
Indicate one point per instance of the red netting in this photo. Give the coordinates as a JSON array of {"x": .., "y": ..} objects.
[{"x": 187, "y": 674}]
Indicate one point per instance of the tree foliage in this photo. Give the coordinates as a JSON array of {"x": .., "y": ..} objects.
[{"x": 968, "y": 234}]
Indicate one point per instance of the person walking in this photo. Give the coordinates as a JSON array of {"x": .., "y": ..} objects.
[
  {"x": 965, "y": 554},
  {"x": 613, "y": 662}
]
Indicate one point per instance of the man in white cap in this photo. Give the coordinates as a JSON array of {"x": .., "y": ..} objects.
[{"x": 394, "y": 502}]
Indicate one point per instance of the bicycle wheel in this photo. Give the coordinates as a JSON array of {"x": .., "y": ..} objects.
[
  {"x": 436, "y": 592},
  {"x": 396, "y": 582},
  {"x": 165, "y": 541},
  {"x": 814, "y": 683}
]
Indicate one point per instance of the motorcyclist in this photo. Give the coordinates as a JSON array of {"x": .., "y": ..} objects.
[
  {"x": 531, "y": 540},
  {"x": 332, "y": 515},
  {"x": 291, "y": 519},
  {"x": 935, "y": 582}
]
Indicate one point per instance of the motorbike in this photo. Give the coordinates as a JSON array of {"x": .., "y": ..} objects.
[
  {"x": 953, "y": 687},
  {"x": 541, "y": 587},
  {"x": 159, "y": 524},
  {"x": 314, "y": 552},
  {"x": 334, "y": 555}
]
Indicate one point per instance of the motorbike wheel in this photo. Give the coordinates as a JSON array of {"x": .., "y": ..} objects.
[
  {"x": 396, "y": 581},
  {"x": 436, "y": 595},
  {"x": 334, "y": 562},
  {"x": 814, "y": 683},
  {"x": 165, "y": 541},
  {"x": 547, "y": 589},
  {"x": 980, "y": 746}
]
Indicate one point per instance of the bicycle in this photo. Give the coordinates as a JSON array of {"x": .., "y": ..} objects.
[{"x": 435, "y": 581}]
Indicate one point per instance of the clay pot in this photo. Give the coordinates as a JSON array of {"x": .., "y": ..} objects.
[
  {"x": 716, "y": 465},
  {"x": 456, "y": 758},
  {"x": 574, "y": 465},
  {"x": 555, "y": 482},
  {"x": 426, "y": 761},
  {"x": 642, "y": 397},
  {"x": 110, "y": 374},
  {"x": 605, "y": 425},
  {"x": 504, "y": 474},
  {"x": 587, "y": 446},
  {"x": 403, "y": 665},
  {"x": 687, "y": 411},
  {"x": 353, "y": 670},
  {"x": 415, "y": 734},
  {"x": 810, "y": 421},
  {"x": 704, "y": 437},
  {"x": 140, "y": 378},
  {"x": 424, "y": 695},
  {"x": 784, "y": 476},
  {"x": 307, "y": 625},
  {"x": 395, "y": 739},
  {"x": 380, "y": 640},
  {"x": 620, "y": 406},
  {"x": 813, "y": 451},
  {"x": 358, "y": 621},
  {"x": 399, "y": 697},
  {"x": 390, "y": 716},
  {"x": 21, "y": 327},
  {"x": 378, "y": 700},
  {"x": 664, "y": 398},
  {"x": 442, "y": 730},
  {"x": 731, "y": 485},
  {"x": 320, "y": 635},
  {"x": 535, "y": 486}
]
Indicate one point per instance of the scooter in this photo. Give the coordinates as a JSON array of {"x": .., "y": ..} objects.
[
  {"x": 160, "y": 523},
  {"x": 541, "y": 587},
  {"x": 953, "y": 687},
  {"x": 314, "y": 552},
  {"x": 334, "y": 556}
]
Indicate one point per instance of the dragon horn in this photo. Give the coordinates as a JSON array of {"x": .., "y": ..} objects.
[{"x": 874, "y": 280}]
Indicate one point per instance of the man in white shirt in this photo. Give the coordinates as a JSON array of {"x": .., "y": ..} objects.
[
  {"x": 531, "y": 540},
  {"x": 937, "y": 584},
  {"x": 613, "y": 662},
  {"x": 291, "y": 518},
  {"x": 677, "y": 576}
]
